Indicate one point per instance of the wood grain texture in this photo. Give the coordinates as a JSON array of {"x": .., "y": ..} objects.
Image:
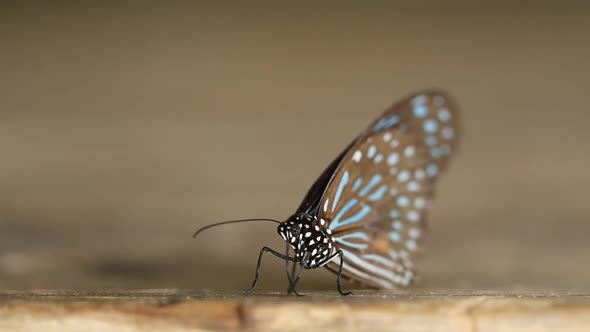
[{"x": 173, "y": 310}]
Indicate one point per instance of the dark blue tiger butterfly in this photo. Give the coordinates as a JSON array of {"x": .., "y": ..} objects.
[{"x": 363, "y": 217}]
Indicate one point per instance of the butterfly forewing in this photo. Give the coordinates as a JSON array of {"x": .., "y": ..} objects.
[
  {"x": 431, "y": 117},
  {"x": 376, "y": 200}
]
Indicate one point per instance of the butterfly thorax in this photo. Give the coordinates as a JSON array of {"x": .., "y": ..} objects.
[{"x": 310, "y": 238}]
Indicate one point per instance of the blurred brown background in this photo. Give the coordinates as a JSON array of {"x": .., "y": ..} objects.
[{"x": 124, "y": 127}]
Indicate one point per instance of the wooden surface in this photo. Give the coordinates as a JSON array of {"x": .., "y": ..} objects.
[{"x": 168, "y": 310}]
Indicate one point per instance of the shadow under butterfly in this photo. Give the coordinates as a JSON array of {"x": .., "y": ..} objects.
[{"x": 363, "y": 217}]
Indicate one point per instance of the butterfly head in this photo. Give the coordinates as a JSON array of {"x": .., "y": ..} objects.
[{"x": 309, "y": 237}]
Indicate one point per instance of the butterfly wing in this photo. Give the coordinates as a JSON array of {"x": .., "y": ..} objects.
[
  {"x": 375, "y": 202},
  {"x": 311, "y": 200}
]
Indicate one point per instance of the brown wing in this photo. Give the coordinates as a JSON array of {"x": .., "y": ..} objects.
[{"x": 376, "y": 201}]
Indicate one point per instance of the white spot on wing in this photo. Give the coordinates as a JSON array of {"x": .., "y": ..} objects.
[
  {"x": 419, "y": 174},
  {"x": 444, "y": 115},
  {"x": 413, "y": 216},
  {"x": 372, "y": 151},
  {"x": 394, "y": 236},
  {"x": 357, "y": 156},
  {"x": 419, "y": 99},
  {"x": 430, "y": 140},
  {"x": 378, "y": 158},
  {"x": 403, "y": 176},
  {"x": 403, "y": 201},
  {"x": 393, "y": 158},
  {"x": 420, "y": 109},
  {"x": 432, "y": 170},
  {"x": 410, "y": 151},
  {"x": 419, "y": 202},
  {"x": 387, "y": 137},
  {"x": 413, "y": 186},
  {"x": 430, "y": 126},
  {"x": 447, "y": 133}
]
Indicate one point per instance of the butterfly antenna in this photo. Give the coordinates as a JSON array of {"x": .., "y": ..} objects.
[{"x": 232, "y": 222}]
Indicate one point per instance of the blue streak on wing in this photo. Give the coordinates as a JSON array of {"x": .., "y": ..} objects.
[
  {"x": 336, "y": 223},
  {"x": 378, "y": 194},
  {"x": 313, "y": 210},
  {"x": 357, "y": 184},
  {"x": 373, "y": 182},
  {"x": 341, "y": 186},
  {"x": 386, "y": 123},
  {"x": 356, "y": 235}
]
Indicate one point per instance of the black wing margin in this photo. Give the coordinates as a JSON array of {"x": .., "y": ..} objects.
[{"x": 311, "y": 200}]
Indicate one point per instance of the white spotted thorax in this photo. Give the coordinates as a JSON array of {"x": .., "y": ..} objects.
[{"x": 310, "y": 238}]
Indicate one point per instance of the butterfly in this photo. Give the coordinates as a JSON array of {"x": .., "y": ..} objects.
[{"x": 364, "y": 216}]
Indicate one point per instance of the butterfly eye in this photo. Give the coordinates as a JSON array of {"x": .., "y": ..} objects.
[{"x": 295, "y": 229}]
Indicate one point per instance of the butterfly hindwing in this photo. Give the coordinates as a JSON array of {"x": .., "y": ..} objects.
[{"x": 375, "y": 202}]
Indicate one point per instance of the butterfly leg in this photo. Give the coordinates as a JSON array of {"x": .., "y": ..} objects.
[
  {"x": 300, "y": 274},
  {"x": 294, "y": 282},
  {"x": 290, "y": 273},
  {"x": 262, "y": 251},
  {"x": 341, "y": 254}
]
